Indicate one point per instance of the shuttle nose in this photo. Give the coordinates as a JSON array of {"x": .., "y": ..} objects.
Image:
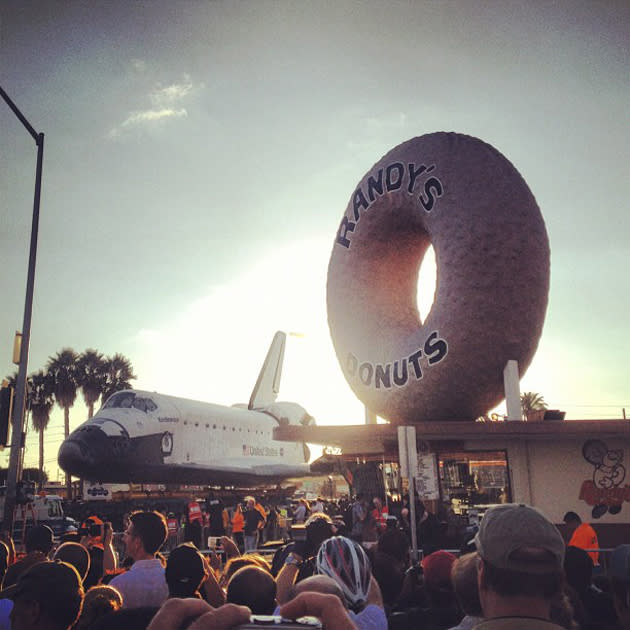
[
  {"x": 88, "y": 451},
  {"x": 72, "y": 456}
]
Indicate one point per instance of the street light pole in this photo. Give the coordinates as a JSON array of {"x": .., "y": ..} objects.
[{"x": 17, "y": 421}]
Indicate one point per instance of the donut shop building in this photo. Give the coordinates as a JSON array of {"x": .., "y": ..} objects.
[{"x": 556, "y": 466}]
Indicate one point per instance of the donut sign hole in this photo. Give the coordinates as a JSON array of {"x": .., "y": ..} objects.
[{"x": 426, "y": 284}]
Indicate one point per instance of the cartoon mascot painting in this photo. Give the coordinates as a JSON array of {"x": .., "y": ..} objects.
[{"x": 608, "y": 475}]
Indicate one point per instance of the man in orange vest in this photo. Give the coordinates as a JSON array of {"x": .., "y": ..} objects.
[
  {"x": 238, "y": 525},
  {"x": 582, "y": 535}
]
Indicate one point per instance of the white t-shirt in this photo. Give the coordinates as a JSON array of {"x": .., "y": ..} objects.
[{"x": 143, "y": 585}]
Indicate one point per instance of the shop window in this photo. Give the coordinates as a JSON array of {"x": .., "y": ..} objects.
[{"x": 474, "y": 479}]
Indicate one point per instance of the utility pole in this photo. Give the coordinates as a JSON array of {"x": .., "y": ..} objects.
[{"x": 17, "y": 421}]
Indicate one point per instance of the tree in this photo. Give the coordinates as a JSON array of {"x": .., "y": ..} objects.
[
  {"x": 40, "y": 401},
  {"x": 118, "y": 374},
  {"x": 531, "y": 401},
  {"x": 35, "y": 475},
  {"x": 63, "y": 370},
  {"x": 12, "y": 380},
  {"x": 91, "y": 377}
]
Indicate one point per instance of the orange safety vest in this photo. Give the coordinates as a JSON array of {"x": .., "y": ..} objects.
[
  {"x": 238, "y": 522},
  {"x": 585, "y": 537}
]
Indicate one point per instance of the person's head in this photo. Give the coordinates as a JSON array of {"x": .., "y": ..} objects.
[
  {"x": 436, "y": 568},
  {"x": 238, "y": 562},
  {"x": 75, "y": 554},
  {"x": 464, "y": 580},
  {"x": 318, "y": 584},
  {"x": 146, "y": 532},
  {"x": 319, "y": 527},
  {"x": 395, "y": 544},
  {"x": 250, "y": 503},
  {"x": 39, "y": 538},
  {"x": 253, "y": 587},
  {"x": 572, "y": 521},
  {"x": 521, "y": 554},
  {"x": 346, "y": 562},
  {"x": 126, "y": 619},
  {"x": 185, "y": 571},
  {"x": 377, "y": 503},
  {"x": 49, "y": 594},
  {"x": 99, "y": 601},
  {"x": 619, "y": 574}
]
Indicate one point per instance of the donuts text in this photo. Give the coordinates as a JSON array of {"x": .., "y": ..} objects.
[{"x": 398, "y": 373}]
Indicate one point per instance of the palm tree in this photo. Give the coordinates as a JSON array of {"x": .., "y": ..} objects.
[
  {"x": 63, "y": 369},
  {"x": 12, "y": 380},
  {"x": 118, "y": 374},
  {"x": 40, "y": 401},
  {"x": 91, "y": 377},
  {"x": 530, "y": 402}
]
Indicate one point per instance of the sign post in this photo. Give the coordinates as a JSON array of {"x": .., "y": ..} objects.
[{"x": 408, "y": 457}]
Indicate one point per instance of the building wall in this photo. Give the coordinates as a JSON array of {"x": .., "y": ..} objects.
[{"x": 588, "y": 476}]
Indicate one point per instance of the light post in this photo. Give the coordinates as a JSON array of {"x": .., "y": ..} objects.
[{"x": 17, "y": 421}]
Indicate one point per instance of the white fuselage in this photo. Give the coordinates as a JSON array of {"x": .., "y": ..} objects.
[{"x": 143, "y": 436}]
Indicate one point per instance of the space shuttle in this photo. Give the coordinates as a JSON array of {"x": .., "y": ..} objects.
[{"x": 145, "y": 437}]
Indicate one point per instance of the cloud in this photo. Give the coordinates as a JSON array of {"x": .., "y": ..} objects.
[
  {"x": 166, "y": 103},
  {"x": 151, "y": 115},
  {"x": 139, "y": 65},
  {"x": 171, "y": 94}
]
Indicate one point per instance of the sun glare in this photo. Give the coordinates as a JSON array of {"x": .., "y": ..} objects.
[
  {"x": 427, "y": 280},
  {"x": 214, "y": 349}
]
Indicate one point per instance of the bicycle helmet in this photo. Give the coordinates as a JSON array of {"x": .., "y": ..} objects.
[{"x": 346, "y": 562}]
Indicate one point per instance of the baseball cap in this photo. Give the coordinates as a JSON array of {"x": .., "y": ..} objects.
[
  {"x": 75, "y": 554},
  {"x": 507, "y": 528},
  {"x": 39, "y": 538},
  {"x": 437, "y": 570},
  {"x": 185, "y": 569},
  {"x": 619, "y": 563},
  {"x": 56, "y": 586}
]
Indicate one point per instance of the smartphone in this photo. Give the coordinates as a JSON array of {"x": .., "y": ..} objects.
[
  {"x": 256, "y": 622},
  {"x": 214, "y": 542}
]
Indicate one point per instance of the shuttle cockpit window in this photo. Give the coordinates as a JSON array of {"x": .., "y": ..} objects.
[
  {"x": 144, "y": 404},
  {"x": 122, "y": 400},
  {"x": 127, "y": 400}
]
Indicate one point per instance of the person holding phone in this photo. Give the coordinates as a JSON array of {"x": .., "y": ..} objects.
[{"x": 96, "y": 537}]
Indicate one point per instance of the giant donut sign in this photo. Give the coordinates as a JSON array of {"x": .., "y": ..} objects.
[{"x": 464, "y": 198}]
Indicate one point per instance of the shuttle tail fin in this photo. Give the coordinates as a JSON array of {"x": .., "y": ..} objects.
[{"x": 268, "y": 384}]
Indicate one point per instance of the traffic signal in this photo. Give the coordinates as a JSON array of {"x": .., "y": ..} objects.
[
  {"x": 24, "y": 492},
  {"x": 6, "y": 409}
]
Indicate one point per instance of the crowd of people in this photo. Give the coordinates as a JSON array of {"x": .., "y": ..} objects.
[{"x": 353, "y": 573}]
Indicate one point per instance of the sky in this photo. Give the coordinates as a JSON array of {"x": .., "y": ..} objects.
[{"x": 199, "y": 157}]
